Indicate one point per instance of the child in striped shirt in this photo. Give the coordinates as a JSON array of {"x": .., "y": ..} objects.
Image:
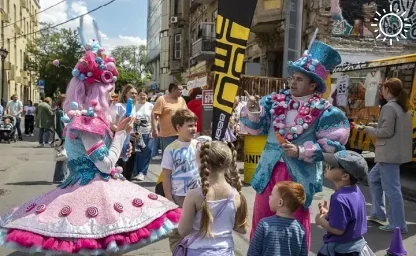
[{"x": 281, "y": 234}]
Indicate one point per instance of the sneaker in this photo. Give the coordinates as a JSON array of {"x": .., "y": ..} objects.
[
  {"x": 140, "y": 177},
  {"x": 377, "y": 220},
  {"x": 390, "y": 229},
  {"x": 60, "y": 157},
  {"x": 40, "y": 145},
  {"x": 27, "y": 135},
  {"x": 31, "y": 135}
]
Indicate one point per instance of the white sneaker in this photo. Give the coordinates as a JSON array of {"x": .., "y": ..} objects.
[
  {"x": 40, "y": 146},
  {"x": 140, "y": 177},
  {"x": 61, "y": 157},
  {"x": 31, "y": 135}
]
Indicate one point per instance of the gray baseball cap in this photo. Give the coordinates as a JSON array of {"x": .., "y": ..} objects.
[{"x": 352, "y": 162}]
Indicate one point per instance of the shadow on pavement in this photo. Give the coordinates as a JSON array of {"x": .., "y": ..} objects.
[
  {"x": 146, "y": 184},
  {"x": 30, "y": 183}
]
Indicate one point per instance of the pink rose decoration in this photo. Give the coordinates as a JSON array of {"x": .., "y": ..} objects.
[
  {"x": 279, "y": 111},
  {"x": 299, "y": 129},
  {"x": 315, "y": 112},
  {"x": 55, "y": 63},
  {"x": 308, "y": 119},
  {"x": 280, "y": 97}
]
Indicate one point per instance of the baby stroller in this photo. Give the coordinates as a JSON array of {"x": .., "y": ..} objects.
[{"x": 7, "y": 134}]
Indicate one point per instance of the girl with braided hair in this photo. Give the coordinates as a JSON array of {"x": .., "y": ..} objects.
[{"x": 210, "y": 213}]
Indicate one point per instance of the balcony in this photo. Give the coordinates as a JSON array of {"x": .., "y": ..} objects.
[
  {"x": 268, "y": 17},
  {"x": 24, "y": 74},
  {"x": 204, "y": 1},
  {"x": 204, "y": 47}
]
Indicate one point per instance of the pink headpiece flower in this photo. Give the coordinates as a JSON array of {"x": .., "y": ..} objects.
[{"x": 95, "y": 66}]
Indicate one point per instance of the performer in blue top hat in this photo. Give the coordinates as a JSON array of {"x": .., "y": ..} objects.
[{"x": 301, "y": 126}]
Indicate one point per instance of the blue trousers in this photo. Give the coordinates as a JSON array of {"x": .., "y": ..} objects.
[
  {"x": 143, "y": 158},
  {"x": 384, "y": 181}
]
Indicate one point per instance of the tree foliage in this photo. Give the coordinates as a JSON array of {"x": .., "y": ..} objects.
[
  {"x": 132, "y": 64},
  {"x": 54, "y": 44}
]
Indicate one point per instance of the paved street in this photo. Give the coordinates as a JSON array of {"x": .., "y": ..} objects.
[{"x": 26, "y": 171}]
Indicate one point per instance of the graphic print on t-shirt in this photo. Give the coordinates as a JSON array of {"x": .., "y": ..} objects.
[{"x": 180, "y": 157}]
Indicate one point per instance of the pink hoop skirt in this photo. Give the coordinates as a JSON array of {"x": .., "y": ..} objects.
[{"x": 103, "y": 216}]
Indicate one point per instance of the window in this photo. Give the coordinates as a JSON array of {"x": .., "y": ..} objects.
[
  {"x": 214, "y": 15},
  {"x": 177, "y": 7},
  {"x": 21, "y": 59},
  {"x": 177, "y": 47},
  {"x": 15, "y": 13}
]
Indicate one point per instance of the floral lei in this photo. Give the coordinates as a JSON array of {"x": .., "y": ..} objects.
[{"x": 307, "y": 114}]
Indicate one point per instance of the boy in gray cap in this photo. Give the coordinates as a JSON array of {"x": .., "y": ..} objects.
[{"x": 345, "y": 220}]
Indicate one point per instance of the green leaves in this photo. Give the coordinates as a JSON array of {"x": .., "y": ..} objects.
[
  {"x": 132, "y": 64},
  {"x": 51, "y": 44}
]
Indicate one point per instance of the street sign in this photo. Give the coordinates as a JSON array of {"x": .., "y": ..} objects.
[
  {"x": 41, "y": 83},
  {"x": 207, "y": 97},
  {"x": 154, "y": 86}
]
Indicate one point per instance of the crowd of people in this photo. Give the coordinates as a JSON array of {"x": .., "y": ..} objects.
[{"x": 199, "y": 201}]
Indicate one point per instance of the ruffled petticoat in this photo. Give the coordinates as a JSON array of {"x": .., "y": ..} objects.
[{"x": 103, "y": 216}]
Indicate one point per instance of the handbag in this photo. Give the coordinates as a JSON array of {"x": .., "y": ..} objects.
[{"x": 182, "y": 248}]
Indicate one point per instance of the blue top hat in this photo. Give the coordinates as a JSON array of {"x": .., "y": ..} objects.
[{"x": 317, "y": 63}]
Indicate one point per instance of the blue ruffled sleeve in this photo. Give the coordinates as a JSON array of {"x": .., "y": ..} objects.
[
  {"x": 332, "y": 132},
  {"x": 256, "y": 123}
]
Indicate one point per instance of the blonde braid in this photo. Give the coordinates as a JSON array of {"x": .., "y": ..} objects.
[
  {"x": 206, "y": 216},
  {"x": 241, "y": 218}
]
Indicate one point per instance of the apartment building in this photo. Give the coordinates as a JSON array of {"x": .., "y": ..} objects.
[
  {"x": 179, "y": 39},
  {"x": 154, "y": 27},
  {"x": 203, "y": 14},
  {"x": 19, "y": 21}
]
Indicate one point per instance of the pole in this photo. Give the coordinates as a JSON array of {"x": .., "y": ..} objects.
[
  {"x": 293, "y": 32},
  {"x": 4, "y": 101},
  {"x": 2, "y": 81}
]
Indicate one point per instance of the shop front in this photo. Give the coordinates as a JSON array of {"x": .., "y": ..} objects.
[{"x": 356, "y": 89}]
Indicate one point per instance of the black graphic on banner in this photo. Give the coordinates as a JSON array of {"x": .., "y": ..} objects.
[{"x": 232, "y": 30}]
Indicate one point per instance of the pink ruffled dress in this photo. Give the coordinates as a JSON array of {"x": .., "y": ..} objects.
[{"x": 91, "y": 213}]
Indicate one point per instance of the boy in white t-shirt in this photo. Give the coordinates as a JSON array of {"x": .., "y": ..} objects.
[
  {"x": 179, "y": 163},
  {"x": 180, "y": 167}
]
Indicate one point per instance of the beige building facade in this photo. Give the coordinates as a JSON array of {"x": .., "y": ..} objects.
[{"x": 19, "y": 24}]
